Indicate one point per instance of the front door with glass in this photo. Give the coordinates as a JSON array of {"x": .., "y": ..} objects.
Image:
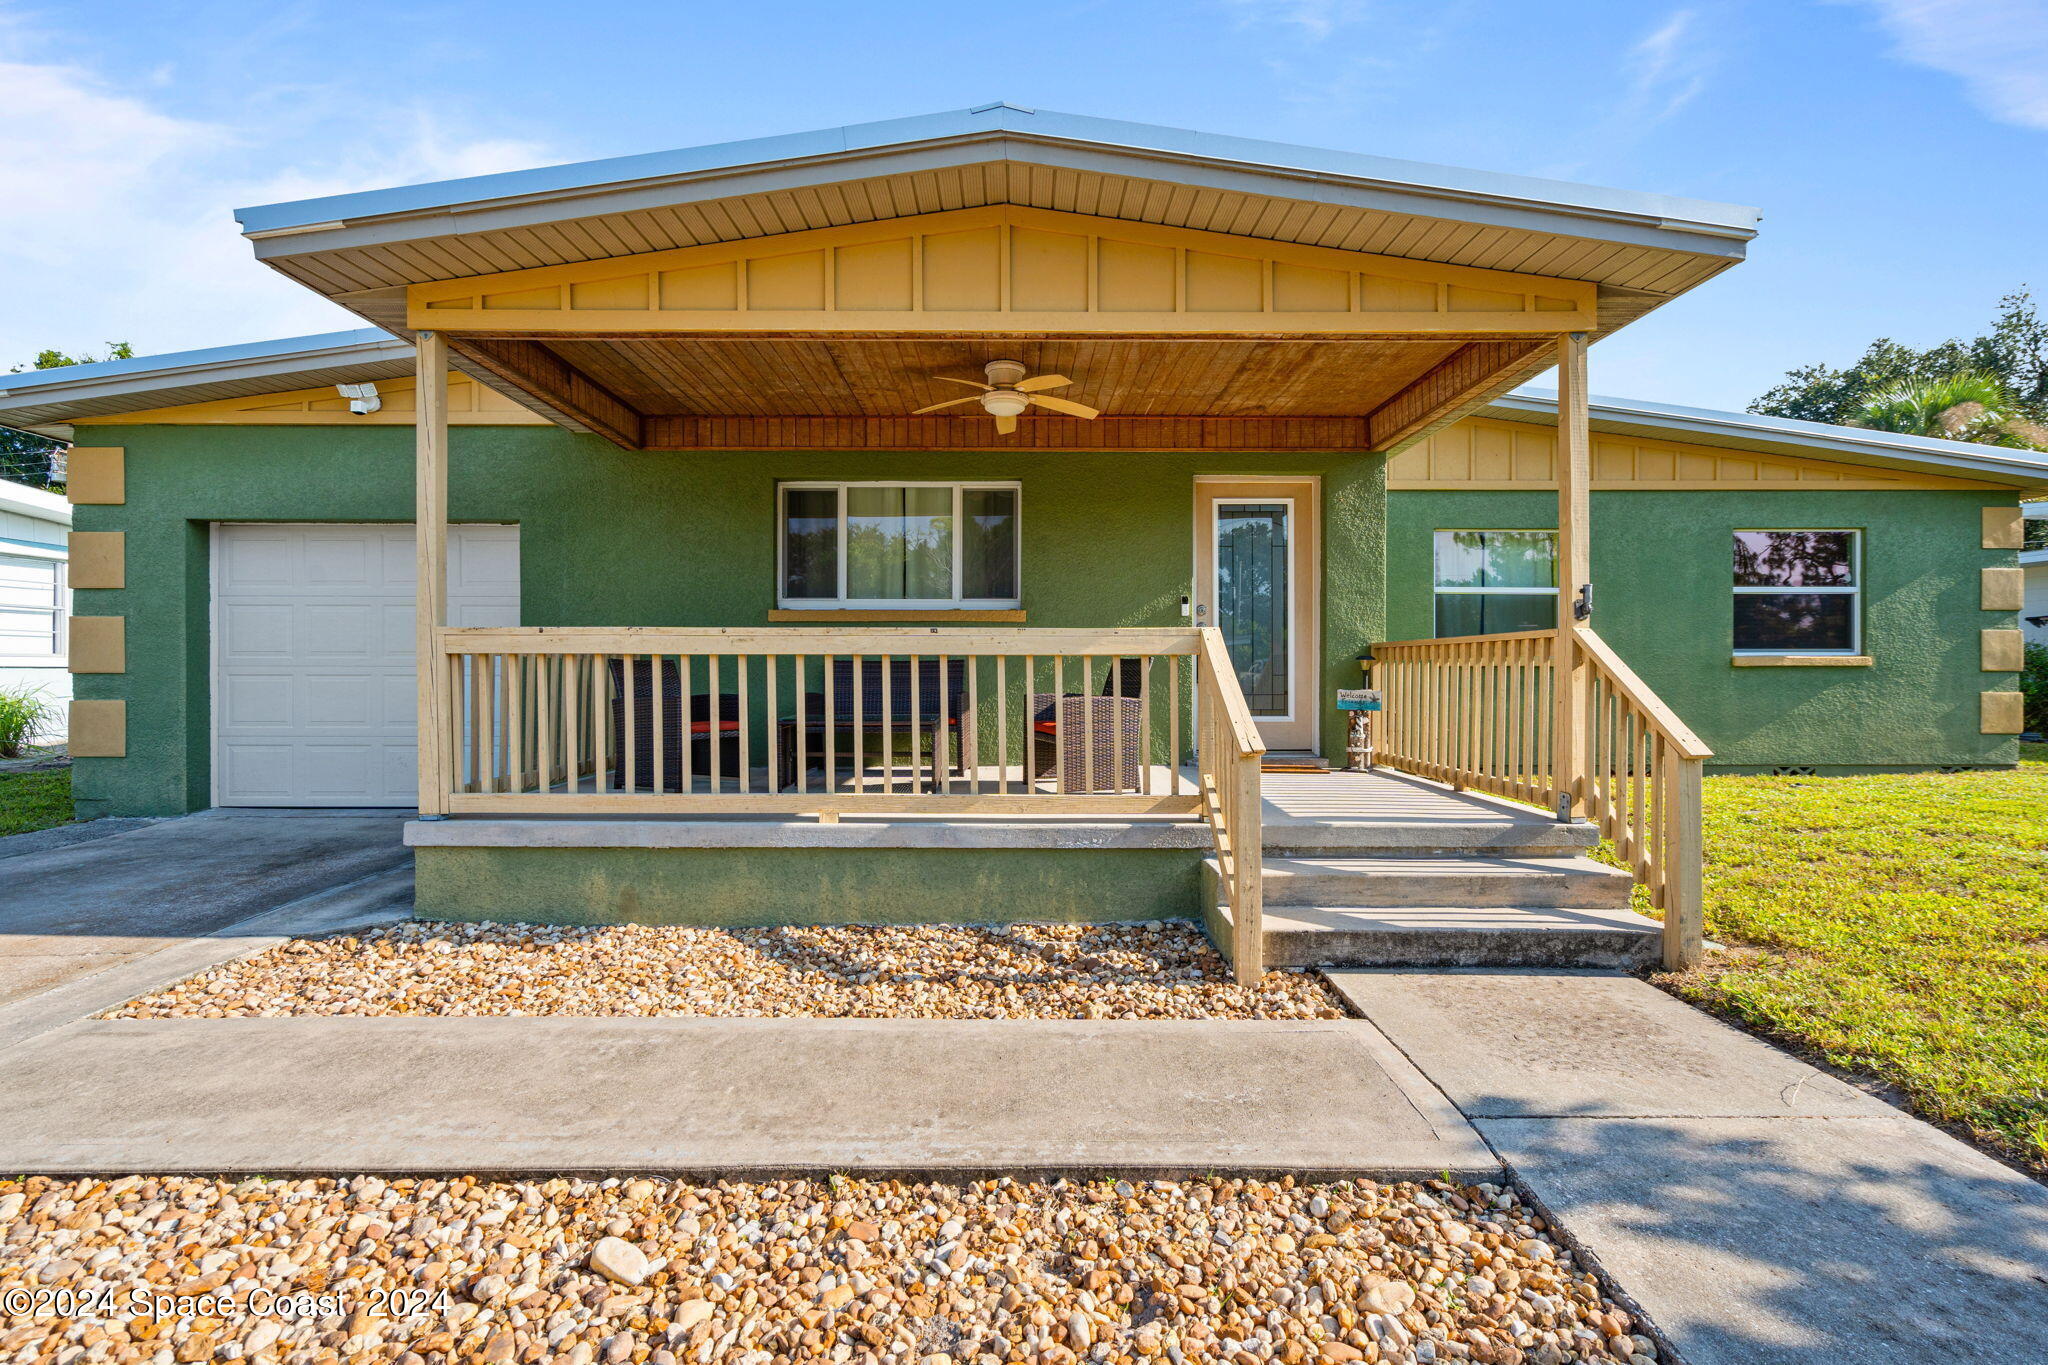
[{"x": 1255, "y": 580}]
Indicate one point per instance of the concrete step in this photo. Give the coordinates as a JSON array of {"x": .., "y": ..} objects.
[
  {"x": 1467, "y": 880},
  {"x": 1532, "y": 838},
  {"x": 1441, "y": 936}
]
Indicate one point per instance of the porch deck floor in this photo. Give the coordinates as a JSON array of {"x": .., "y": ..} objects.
[
  {"x": 1336, "y": 797},
  {"x": 1334, "y": 812}
]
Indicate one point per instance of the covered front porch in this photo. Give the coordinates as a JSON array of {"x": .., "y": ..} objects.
[{"x": 1107, "y": 364}]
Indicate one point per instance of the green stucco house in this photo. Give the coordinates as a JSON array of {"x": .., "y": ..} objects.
[{"x": 832, "y": 525}]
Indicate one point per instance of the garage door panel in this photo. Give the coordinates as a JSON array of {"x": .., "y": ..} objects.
[
  {"x": 260, "y": 772},
  {"x": 315, "y": 689},
  {"x": 340, "y": 773},
  {"x": 394, "y": 626},
  {"x": 251, "y": 561},
  {"x": 340, "y": 561},
  {"x": 251, "y": 631},
  {"x": 342, "y": 702},
  {"x": 252, "y": 701},
  {"x": 401, "y": 773}
]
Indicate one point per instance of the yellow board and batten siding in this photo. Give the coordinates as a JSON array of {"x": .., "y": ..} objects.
[
  {"x": 1012, "y": 270},
  {"x": 1480, "y": 454},
  {"x": 469, "y": 404}
]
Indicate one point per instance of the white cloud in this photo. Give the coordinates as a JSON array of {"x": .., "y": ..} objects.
[
  {"x": 1997, "y": 48},
  {"x": 118, "y": 224},
  {"x": 1667, "y": 68}
]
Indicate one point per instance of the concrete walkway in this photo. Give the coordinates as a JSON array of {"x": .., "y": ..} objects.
[
  {"x": 80, "y": 908},
  {"x": 714, "y": 1097},
  {"x": 1761, "y": 1211}
]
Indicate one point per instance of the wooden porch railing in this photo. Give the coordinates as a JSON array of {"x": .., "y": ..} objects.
[
  {"x": 565, "y": 720},
  {"x": 1483, "y": 712},
  {"x": 1230, "y": 758}
]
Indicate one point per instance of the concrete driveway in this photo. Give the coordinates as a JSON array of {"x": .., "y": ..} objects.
[{"x": 72, "y": 910}]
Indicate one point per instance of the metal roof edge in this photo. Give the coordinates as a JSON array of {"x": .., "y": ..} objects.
[
  {"x": 1792, "y": 432},
  {"x": 37, "y": 504},
  {"x": 249, "y": 360},
  {"x": 835, "y": 147}
]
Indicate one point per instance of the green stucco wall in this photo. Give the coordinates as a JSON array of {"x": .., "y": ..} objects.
[
  {"x": 1662, "y": 573},
  {"x": 622, "y": 538},
  {"x": 617, "y": 538},
  {"x": 734, "y": 886}
]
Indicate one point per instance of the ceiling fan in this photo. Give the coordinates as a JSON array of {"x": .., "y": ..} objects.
[{"x": 1008, "y": 393}]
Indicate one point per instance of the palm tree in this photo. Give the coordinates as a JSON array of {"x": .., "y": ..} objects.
[{"x": 1969, "y": 405}]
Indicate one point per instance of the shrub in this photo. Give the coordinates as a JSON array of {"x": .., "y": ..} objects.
[
  {"x": 2034, "y": 687},
  {"x": 24, "y": 712}
]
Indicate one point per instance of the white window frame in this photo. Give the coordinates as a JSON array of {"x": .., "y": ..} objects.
[
  {"x": 1437, "y": 589},
  {"x": 842, "y": 602},
  {"x": 1853, "y": 591},
  {"x": 60, "y": 624}
]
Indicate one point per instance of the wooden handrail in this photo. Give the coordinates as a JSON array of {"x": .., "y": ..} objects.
[
  {"x": 1558, "y": 720},
  {"x": 1638, "y": 693},
  {"x": 1237, "y": 712},
  {"x": 818, "y": 640},
  {"x": 1228, "y": 758},
  {"x": 1435, "y": 640}
]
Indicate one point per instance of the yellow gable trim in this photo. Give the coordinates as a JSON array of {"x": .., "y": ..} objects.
[
  {"x": 469, "y": 404},
  {"x": 1006, "y": 269},
  {"x": 1481, "y": 453}
]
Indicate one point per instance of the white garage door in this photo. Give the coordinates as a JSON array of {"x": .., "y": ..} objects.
[{"x": 315, "y": 702}]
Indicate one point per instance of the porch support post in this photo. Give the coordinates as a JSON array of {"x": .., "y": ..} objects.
[
  {"x": 1574, "y": 568},
  {"x": 430, "y": 539}
]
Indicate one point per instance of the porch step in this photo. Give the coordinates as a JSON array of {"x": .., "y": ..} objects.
[
  {"x": 1293, "y": 761},
  {"x": 1450, "y": 910},
  {"x": 1462, "y": 880},
  {"x": 1395, "y": 838},
  {"x": 1444, "y": 936}
]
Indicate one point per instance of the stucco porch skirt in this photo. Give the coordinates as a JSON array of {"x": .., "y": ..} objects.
[{"x": 768, "y": 873}]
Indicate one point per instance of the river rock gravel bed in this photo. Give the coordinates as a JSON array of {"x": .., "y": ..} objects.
[
  {"x": 312, "y": 1271},
  {"x": 1158, "y": 970}
]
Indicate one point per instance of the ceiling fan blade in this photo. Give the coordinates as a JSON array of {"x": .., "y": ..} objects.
[
  {"x": 1069, "y": 407},
  {"x": 1043, "y": 381},
  {"x": 949, "y": 403},
  {"x": 971, "y": 383},
  {"x": 1005, "y": 425}
]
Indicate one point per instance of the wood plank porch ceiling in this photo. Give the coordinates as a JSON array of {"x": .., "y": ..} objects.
[
  {"x": 856, "y": 392},
  {"x": 890, "y": 377}
]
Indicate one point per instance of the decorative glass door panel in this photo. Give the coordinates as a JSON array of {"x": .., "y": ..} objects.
[{"x": 1254, "y": 599}]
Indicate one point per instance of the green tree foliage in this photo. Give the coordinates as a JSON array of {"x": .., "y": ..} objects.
[
  {"x": 31, "y": 459},
  {"x": 1967, "y": 406},
  {"x": 2007, "y": 364},
  {"x": 2034, "y": 687}
]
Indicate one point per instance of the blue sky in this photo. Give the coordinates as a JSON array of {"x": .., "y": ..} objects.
[{"x": 1894, "y": 146}]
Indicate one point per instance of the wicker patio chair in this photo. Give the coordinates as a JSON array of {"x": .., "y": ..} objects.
[
  {"x": 700, "y": 728},
  {"x": 933, "y": 698},
  {"x": 1095, "y": 761}
]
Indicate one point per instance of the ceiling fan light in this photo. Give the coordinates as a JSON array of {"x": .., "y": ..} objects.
[{"x": 1004, "y": 403}]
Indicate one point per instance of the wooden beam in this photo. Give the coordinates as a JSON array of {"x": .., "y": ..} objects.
[
  {"x": 1345, "y": 435},
  {"x": 539, "y": 373},
  {"x": 1469, "y": 377},
  {"x": 430, "y": 592},
  {"x": 1574, "y": 566}
]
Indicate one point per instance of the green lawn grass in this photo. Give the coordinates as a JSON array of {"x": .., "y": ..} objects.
[
  {"x": 1896, "y": 926},
  {"x": 30, "y": 801}
]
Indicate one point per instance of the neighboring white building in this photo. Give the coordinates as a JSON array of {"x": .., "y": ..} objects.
[{"x": 35, "y": 599}]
